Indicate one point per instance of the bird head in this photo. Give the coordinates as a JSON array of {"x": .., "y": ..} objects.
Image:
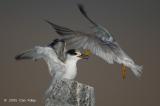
[{"x": 77, "y": 55}]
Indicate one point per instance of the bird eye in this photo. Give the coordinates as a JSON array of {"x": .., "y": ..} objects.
[
  {"x": 72, "y": 52},
  {"x": 75, "y": 53}
]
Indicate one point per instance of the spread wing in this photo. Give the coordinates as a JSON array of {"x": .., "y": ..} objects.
[
  {"x": 46, "y": 53},
  {"x": 101, "y": 32},
  {"x": 104, "y": 35},
  {"x": 77, "y": 40},
  {"x": 110, "y": 51}
]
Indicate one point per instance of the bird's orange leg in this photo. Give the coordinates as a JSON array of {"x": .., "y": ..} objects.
[{"x": 124, "y": 72}]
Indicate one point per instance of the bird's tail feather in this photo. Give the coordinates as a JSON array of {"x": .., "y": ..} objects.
[{"x": 137, "y": 70}]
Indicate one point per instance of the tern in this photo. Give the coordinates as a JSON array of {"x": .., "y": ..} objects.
[
  {"x": 61, "y": 63},
  {"x": 100, "y": 42}
]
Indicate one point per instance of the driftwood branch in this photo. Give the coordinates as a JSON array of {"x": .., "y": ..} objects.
[{"x": 69, "y": 93}]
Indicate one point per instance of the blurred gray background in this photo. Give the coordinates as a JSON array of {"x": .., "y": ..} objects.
[{"x": 134, "y": 24}]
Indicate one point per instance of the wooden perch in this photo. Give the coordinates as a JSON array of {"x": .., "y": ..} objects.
[{"x": 69, "y": 93}]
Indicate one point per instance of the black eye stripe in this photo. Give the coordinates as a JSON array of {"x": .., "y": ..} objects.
[{"x": 72, "y": 52}]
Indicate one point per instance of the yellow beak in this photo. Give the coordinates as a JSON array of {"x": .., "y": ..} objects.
[{"x": 85, "y": 54}]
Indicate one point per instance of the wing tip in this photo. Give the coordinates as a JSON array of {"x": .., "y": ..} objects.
[
  {"x": 17, "y": 57},
  {"x": 49, "y": 22},
  {"x": 81, "y": 8},
  {"x": 59, "y": 29},
  {"x": 22, "y": 56},
  {"x": 84, "y": 13}
]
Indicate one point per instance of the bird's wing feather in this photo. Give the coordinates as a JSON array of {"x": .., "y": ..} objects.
[
  {"x": 59, "y": 47},
  {"x": 105, "y": 36},
  {"x": 46, "y": 53},
  {"x": 110, "y": 51},
  {"x": 59, "y": 29},
  {"x": 93, "y": 44},
  {"x": 100, "y": 31},
  {"x": 77, "y": 40}
]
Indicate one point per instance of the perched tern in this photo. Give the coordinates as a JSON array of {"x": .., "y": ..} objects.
[
  {"x": 61, "y": 63},
  {"x": 100, "y": 42}
]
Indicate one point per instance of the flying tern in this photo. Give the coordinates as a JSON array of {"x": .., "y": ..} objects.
[
  {"x": 100, "y": 42},
  {"x": 61, "y": 63}
]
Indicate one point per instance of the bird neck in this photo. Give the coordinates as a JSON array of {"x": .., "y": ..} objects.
[
  {"x": 71, "y": 62},
  {"x": 71, "y": 69}
]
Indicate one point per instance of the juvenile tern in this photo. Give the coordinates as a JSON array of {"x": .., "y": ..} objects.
[
  {"x": 61, "y": 63},
  {"x": 100, "y": 42}
]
